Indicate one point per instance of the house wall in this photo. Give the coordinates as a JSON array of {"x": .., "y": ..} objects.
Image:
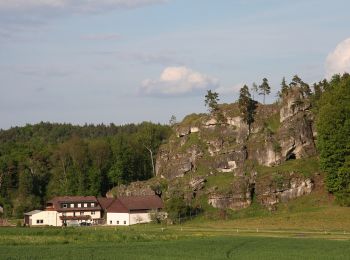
[
  {"x": 46, "y": 218},
  {"x": 113, "y": 218},
  {"x": 129, "y": 218},
  {"x": 85, "y": 213},
  {"x": 136, "y": 218}
]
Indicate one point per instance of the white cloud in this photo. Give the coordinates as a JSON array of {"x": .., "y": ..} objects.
[
  {"x": 76, "y": 5},
  {"x": 178, "y": 81},
  {"x": 338, "y": 61}
]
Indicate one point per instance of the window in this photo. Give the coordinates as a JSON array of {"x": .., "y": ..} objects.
[
  {"x": 39, "y": 221},
  {"x": 92, "y": 205},
  {"x": 124, "y": 222},
  {"x": 64, "y": 205},
  {"x": 72, "y": 205},
  {"x": 81, "y": 213},
  {"x": 110, "y": 222},
  {"x": 117, "y": 222},
  {"x": 79, "y": 205},
  {"x": 85, "y": 205},
  {"x": 92, "y": 212}
]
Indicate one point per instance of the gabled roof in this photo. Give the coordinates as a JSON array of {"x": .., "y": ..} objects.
[
  {"x": 56, "y": 203},
  {"x": 31, "y": 213},
  {"x": 134, "y": 203},
  {"x": 105, "y": 202},
  {"x": 69, "y": 199}
]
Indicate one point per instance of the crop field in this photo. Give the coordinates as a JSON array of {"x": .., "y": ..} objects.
[{"x": 173, "y": 242}]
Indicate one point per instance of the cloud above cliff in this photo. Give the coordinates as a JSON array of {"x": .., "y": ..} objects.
[
  {"x": 175, "y": 81},
  {"x": 338, "y": 61}
]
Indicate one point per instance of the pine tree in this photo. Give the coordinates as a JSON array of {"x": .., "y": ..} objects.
[
  {"x": 284, "y": 87},
  {"x": 211, "y": 101},
  {"x": 247, "y": 106},
  {"x": 264, "y": 88}
]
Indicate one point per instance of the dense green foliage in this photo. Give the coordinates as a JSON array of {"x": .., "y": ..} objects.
[
  {"x": 156, "y": 243},
  {"x": 247, "y": 106},
  {"x": 333, "y": 127},
  {"x": 40, "y": 161}
]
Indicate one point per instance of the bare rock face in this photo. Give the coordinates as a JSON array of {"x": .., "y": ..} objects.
[
  {"x": 293, "y": 103},
  {"x": 270, "y": 190},
  {"x": 232, "y": 160},
  {"x": 239, "y": 198},
  {"x": 296, "y": 137},
  {"x": 197, "y": 183},
  {"x": 139, "y": 188},
  {"x": 183, "y": 131}
]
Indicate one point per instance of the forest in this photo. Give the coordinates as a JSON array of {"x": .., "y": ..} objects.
[{"x": 43, "y": 160}]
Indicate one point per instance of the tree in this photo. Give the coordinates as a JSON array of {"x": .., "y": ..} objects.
[
  {"x": 247, "y": 106},
  {"x": 254, "y": 89},
  {"x": 333, "y": 139},
  {"x": 176, "y": 208},
  {"x": 284, "y": 87},
  {"x": 264, "y": 88},
  {"x": 211, "y": 101},
  {"x": 172, "y": 120}
]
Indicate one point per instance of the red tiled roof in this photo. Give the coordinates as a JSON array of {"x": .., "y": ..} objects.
[
  {"x": 105, "y": 202},
  {"x": 134, "y": 203},
  {"x": 56, "y": 203}
]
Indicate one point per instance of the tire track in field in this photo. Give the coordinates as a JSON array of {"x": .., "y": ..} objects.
[{"x": 233, "y": 249}]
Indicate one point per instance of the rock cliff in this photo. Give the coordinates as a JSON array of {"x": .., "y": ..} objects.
[{"x": 224, "y": 165}]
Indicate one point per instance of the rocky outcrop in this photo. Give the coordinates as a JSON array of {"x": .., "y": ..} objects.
[
  {"x": 296, "y": 137},
  {"x": 138, "y": 188},
  {"x": 272, "y": 189},
  {"x": 197, "y": 183},
  {"x": 293, "y": 103},
  {"x": 231, "y": 161},
  {"x": 239, "y": 197},
  {"x": 203, "y": 149}
]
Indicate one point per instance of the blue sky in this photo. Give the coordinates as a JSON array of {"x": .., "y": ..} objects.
[{"x": 122, "y": 61}]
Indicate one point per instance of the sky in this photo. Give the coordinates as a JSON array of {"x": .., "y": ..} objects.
[{"x": 128, "y": 61}]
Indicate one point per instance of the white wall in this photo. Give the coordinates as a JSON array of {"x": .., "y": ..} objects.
[
  {"x": 49, "y": 218},
  {"x": 136, "y": 218},
  {"x": 113, "y": 218},
  {"x": 130, "y": 219}
]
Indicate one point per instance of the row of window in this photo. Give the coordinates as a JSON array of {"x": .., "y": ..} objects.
[
  {"x": 81, "y": 213},
  {"x": 78, "y": 205},
  {"x": 117, "y": 222},
  {"x": 39, "y": 221}
]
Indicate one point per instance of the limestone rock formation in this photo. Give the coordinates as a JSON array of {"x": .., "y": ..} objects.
[{"x": 204, "y": 155}]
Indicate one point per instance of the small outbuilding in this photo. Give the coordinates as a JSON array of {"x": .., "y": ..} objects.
[{"x": 126, "y": 211}]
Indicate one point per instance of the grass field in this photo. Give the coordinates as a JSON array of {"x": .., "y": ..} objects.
[
  {"x": 310, "y": 227},
  {"x": 172, "y": 242}
]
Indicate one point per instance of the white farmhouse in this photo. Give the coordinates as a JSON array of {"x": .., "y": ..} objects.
[
  {"x": 67, "y": 210},
  {"x": 89, "y": 210}
]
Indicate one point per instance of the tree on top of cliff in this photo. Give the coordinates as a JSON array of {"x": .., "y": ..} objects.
[
  {"x": 264, "y": 88},
  {"x": 211, "y": 101},
  {"x": 254, "y": 88},
  {"x": 247, "y": 106},
  {"x": 284, "y": 86}
]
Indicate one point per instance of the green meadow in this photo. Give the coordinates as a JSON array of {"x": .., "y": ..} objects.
[{"x": 172, "y": 242}]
